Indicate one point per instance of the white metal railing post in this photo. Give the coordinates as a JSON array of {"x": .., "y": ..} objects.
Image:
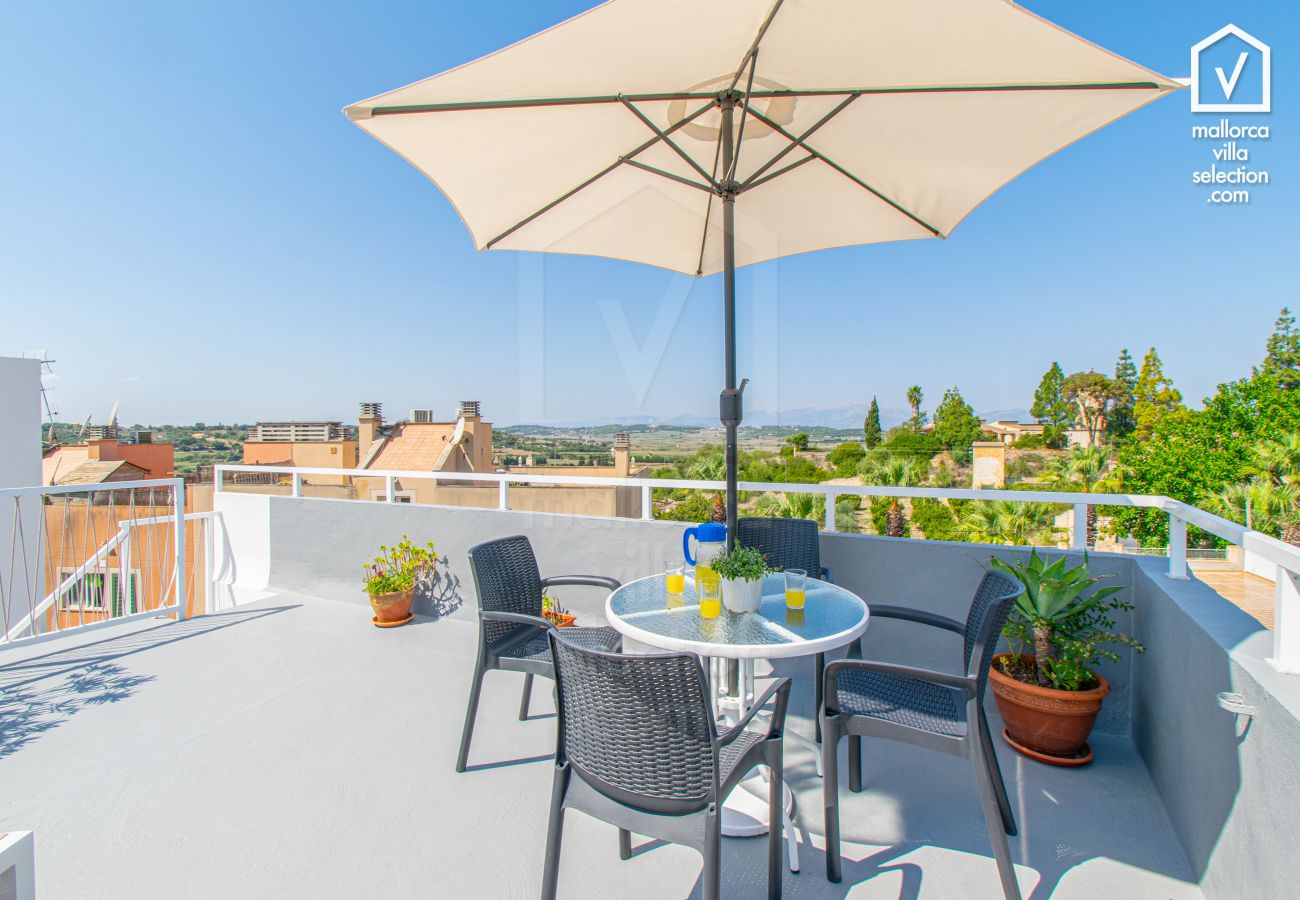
[
  {"x": 1177, "y": 547},
  {"x": 178, "y": 510},
  {"x": 1079, "y": 537},
  {"x": 1286, "y": 622},
  {"x": 209, "y": 560},
  {"x": 297, "y": 484},
  {"x": 218, "y": 479},
  {"x": 647, "y": 506},
  {"x": 503, "y": 495},
  {"x": 124, "y": 572},
  {"x": 830, "y": 512},
  {"x": 390, "y": 488}
]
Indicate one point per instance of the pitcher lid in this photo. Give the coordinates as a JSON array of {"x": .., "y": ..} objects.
[{"x": 711, "y": 532}]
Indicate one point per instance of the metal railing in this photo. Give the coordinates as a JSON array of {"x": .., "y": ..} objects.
[
  {"x": 1267, "y": 549},
  {"x": 76, "y": 557}
]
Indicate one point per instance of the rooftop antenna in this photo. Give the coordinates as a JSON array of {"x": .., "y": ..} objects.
[{"x": 50, "y": 412}]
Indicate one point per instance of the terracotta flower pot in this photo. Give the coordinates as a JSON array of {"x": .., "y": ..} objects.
[
  {"x": 561, "y": 620},
  {"x": 1046, "y": 724},
  {"x": 392, "y": 608}
]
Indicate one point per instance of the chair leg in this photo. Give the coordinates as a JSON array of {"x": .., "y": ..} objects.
[
  {"x": 819, "y": 672},
  {"x": 993, "y": 821},
  {"x": 775, "y": 815},
  {"x": 855, "y": 763},
  {"x": 624, "y": 844},
  {"x": 831, "y": 798},
  {"x": 523, "y": 701},
  {"x": 995, "y": 773},
  {"x": 711, "y": 886},
  {"x": 554, "y": 835},
  {"x": 470, "y": 713}
]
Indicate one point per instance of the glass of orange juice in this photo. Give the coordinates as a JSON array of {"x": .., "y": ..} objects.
[
  {"x": 795, "y": 590},
  {"x": 675, "y": 581},
  {"x": 708, "y": 590}
]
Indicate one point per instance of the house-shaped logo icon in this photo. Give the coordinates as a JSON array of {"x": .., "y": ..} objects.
[{"x": 1227, "y": 64}]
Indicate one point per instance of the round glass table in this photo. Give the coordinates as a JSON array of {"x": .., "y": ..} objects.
[{"x": 831, "y": 617}]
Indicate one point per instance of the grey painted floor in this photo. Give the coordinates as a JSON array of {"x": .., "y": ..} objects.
[{"x": 289, "y": 749}]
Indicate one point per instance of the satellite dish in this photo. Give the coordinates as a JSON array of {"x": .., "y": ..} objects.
[
  {"x": 81, "y": 432},
  {"x": 111, "y": 421},
  {"x": 459, "y": 434}
]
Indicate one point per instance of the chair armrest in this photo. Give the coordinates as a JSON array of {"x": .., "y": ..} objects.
[
  {"x": 918, "y": 616},
  {"x": 827, "y": 576},
  {"x": 968, "y": 686},
  {"x": 611, "y": 584},
  {"x": 781, "y": 690},
  {"x": 517, "y": 618}
]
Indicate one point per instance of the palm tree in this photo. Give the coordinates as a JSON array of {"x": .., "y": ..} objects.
[
  {"x": 892, "y": 471},
  {"x": 791, "y": 506},
  {"x": 1270, "y": 500},
  {"x": 711, "y": 467},
  {"x": 1007, "y": 522},
  {"x": 1087, "y": 469},
  {"x": 914, "y": 399}
]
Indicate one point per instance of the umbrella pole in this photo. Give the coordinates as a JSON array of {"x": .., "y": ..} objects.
[{"x": 729, "y": 406}]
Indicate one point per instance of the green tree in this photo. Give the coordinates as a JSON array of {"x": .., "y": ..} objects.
[
  {"x": 798, "y": 440},
  {"x": 893, "y": 471},
  {"x": 1051, "y": 409},
  {"x": 845, "y": 458},
  {"x": 1008, "y": 522},
  {"x": 914, "y": 399},
  {"x": 1154, "y": 396},
  {"x": 1092, "y": 395},
  {"x": 956, "y": 426},
  {"x": 871, "y": 426},
  {"x": 1120, "y": 423},
  {"x": 791, "y": 506},
  {"x": 1282, "y": 361},
  {"x": 936, "y": 520},
  {"x": 1270, "y": 500}
]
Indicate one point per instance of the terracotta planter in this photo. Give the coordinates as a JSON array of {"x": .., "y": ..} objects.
[
  {"x": 561, "y": 620},
  {"x": 1046, "y": 724},
  {"x": 392, "y": 609}
]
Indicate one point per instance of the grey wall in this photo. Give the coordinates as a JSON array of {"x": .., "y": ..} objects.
[{"x": 1230, "y": 793}]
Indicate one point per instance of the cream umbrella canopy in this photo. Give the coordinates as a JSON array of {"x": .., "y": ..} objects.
[{"x": 702, "y": 135}]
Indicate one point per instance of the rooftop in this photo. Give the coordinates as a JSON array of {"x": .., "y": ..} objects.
[{"x": 286, "y": 748}]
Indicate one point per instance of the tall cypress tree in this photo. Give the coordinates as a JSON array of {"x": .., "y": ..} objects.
[
  {"x": 871, "y": 426},
  {"x": 1051, "y": 409},
  {"x": 1282, "y": 362},
  {"x": 1120, "y": 423},
  {"x": 1154, "y": 396}
]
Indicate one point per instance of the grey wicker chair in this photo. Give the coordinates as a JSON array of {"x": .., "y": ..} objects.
[
  {"x": 512, "y": 630},
  {"x": 936, "y": 710},
  {"x": 637, "y": 747},
  {"x": 791, "y": 544}
]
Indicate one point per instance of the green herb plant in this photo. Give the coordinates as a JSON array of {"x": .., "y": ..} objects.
[
  {"x": 1067, "y": 632},
  {"x": 742, "y": 564},
  {"x": 551, "y": 605},
  {"x": 399, "y": 568}
]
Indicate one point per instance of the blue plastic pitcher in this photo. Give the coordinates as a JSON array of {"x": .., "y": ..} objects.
[{"x": 710, "y": 539}]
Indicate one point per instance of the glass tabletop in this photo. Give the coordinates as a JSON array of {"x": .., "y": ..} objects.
[{"x": 831, "y": 617}]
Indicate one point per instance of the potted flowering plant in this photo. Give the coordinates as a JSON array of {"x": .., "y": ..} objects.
[
  {"x": 1046, "y": 688},
  {"x": 552, "y": 611},
  {"x": 742, "y": 570},
  {"x": 392, "y": 578}
]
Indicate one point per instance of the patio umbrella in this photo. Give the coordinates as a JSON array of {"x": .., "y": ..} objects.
[{"x": 702, "y": 135}]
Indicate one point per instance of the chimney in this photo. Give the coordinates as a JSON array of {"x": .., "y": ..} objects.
[
  {"x": 144, "y": 437},
  {"x": 622, "y": 454},
  {"x": 368, "y": 425},
  {"x": 469, "y": 409}
]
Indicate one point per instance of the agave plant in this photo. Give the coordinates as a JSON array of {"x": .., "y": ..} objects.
[{"x": 1068, "y": 631}]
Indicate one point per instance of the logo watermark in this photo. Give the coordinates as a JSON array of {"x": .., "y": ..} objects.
[{"x": 1231, "y": 73}]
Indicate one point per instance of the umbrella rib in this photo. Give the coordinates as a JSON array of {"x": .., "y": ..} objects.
[
  {"x": 470, "y": 105},
  {"x": 749, "y": 182},
  {"x": 758, "y": 39},
  {"x": 753, "y": 183},
  {"x": 845, "y": 172},
  {"x": 708, "y": 213},
  {"x": 599, "y": 175},
  {"x": 669, "y": 175},
  {"x": 744, "y": 114},
  {"x": 671, "y": 143}
]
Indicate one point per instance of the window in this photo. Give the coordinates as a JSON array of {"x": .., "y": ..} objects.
[
  {"x": 95, "y": 586},
  {"x": 402, "y": 496}
]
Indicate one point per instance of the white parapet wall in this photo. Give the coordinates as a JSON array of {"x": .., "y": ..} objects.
[{"x": 20, "y": 467}]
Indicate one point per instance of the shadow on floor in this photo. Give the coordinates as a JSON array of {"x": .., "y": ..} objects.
[{"x": 40, "y": 693}]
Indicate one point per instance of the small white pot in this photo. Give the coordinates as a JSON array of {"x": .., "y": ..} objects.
[{"x": 742, "y": 596}]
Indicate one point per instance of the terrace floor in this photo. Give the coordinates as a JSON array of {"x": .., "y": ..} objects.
[{"x": 289, "y": 749}]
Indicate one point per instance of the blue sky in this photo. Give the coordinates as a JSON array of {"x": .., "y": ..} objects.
[{"x": 190, "y": 226}]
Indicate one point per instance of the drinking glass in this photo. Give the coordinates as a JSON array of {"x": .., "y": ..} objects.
[
  {"x": 675, "y": 580},
  {"x": 794, "y": 588},
  {"x": 708, "y": 590}
]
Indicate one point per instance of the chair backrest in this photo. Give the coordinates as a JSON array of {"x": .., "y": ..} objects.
[
  {"x": 787, "y": 543},
  {"x": 993, "y": 601},
  {"x": 638, "y": 728},
  {"x": 506, "y": 579}
]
